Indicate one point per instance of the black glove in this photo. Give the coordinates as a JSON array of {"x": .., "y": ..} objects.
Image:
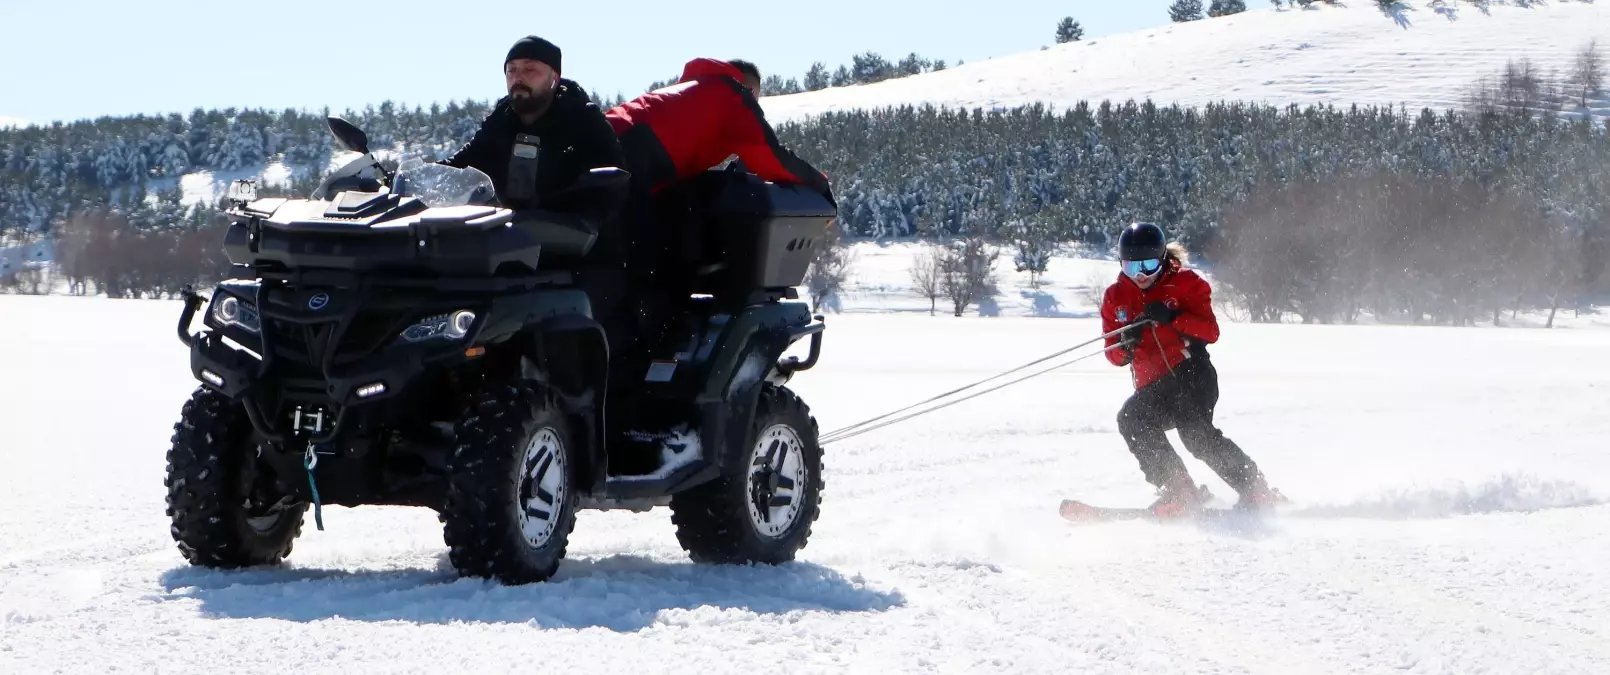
[
  {"x": 1161, "y": 313},
  {"x": 1130, "y": 336},
  {"x": 1128, "y": 340}
]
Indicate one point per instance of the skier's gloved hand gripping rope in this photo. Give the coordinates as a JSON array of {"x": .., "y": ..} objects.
[
  {"x": 1160, "y": 313},
  {"x": 1129, "y": 337}
]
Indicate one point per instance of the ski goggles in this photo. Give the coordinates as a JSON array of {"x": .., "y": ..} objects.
[{"x": 1137, "y": 268}]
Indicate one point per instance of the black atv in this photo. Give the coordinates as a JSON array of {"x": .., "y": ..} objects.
[{"x": 401, "y": 339}]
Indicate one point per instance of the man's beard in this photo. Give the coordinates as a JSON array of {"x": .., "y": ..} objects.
[{"x": 531, "y": 103}]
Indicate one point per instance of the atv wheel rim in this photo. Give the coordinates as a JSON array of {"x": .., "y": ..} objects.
[
  {"x": 542, "y": 486},
  {"x": 777, "y": 480}
]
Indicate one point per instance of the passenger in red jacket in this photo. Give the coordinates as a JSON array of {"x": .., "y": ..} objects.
[
  {"x": 1176, "y": 385},
  {"x": 669, "y": 135},
  {"x": 678, "y": 132}
]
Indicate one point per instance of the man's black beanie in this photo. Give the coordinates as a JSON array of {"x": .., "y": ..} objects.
[{"x": 536, "y": 49}]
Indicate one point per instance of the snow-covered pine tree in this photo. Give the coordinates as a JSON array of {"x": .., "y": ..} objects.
[
  {"x": 1033, "y": 239},
  {"x": 871, "y": 67},
  {"x": 1069, "y": 30},
  {"x": 816, "y": 78},
  {"x": 912, "y": 64},
  {"x": 842, "y": 77},
  {"x": 1226, "y": 7},
  {"x": 1185, "y": 10}
]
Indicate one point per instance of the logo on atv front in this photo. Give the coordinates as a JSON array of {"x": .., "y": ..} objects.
[{"x": 318, "y": 301}]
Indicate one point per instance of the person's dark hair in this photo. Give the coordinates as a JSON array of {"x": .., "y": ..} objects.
[{"x": 747, "y": 68}]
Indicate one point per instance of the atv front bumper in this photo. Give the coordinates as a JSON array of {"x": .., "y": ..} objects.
[{"x": 317, "y": 405}]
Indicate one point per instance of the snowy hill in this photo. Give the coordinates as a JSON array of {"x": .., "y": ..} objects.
[
  {"x": 1335, "y": 55},
  {"x": 1449, "y": 519}
]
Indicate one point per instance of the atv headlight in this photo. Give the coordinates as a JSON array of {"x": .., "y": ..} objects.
[
  {"x": 446, "y": 326},
  {"x": 229, "y": 310}
]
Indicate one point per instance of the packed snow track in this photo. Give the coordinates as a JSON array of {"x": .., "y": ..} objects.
[{"x": 1451, "y": 517}]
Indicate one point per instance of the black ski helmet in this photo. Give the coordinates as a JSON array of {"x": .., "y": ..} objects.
[{"x": 1142, "y": 241}]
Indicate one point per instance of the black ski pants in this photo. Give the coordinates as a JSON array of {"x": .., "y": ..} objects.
[{"x": 1183, "y": 400}]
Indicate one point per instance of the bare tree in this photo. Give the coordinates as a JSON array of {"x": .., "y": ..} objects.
[
  {"x": 33, "y": 277},
  {"x": 1521, "y": 86},
  {"x": 102, "y": 246},
  {"x": 1329, "y": 249},
  {"x": 1481, "y": 98},
  {"x": 968, "y": 272},
  {"x": 927, "y": 271},
  {"x": 1587, "y": 72},
  {"x": 1094, "y": 292},
  {"x": 829, "y": 270}
]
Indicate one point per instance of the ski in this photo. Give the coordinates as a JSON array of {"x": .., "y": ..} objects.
[
  {"x": 1078, "y": 511},
  {"x": 1083, "y": 512}
]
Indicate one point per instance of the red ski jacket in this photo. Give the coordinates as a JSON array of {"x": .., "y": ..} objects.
[
  {"x": 680, "y": 131},
  {"x": 1180, "y": 289}
]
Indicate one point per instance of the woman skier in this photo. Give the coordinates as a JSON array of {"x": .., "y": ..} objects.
[{"x": 1176, "y": 386}]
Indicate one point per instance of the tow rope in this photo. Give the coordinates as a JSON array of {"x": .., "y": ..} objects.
[{"x": 884, "y": 420}]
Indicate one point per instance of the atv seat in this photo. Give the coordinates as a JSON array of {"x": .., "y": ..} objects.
[{"x": 734, "y": 235}]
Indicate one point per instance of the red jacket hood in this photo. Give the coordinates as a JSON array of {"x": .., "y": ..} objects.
[{"x": 702, "y": 67}]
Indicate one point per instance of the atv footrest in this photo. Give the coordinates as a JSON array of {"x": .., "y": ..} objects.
[{"x": 658, "y": 484}]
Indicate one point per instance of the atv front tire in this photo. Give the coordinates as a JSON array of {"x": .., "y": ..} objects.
[
  {"x": 217, "y": 517},
  {"x": 762, "y": 508},
  {"x": 512, "y": 494}
]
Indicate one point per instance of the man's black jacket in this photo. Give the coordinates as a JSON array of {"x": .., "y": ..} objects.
[{"x": 575, "y": 138}]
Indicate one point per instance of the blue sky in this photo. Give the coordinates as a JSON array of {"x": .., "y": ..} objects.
[{"x": 72, "y": 59}]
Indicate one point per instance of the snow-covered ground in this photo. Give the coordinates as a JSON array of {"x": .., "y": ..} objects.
[
  {"x": 1451, "y": 517},
  {"x": 1323, "y": 55}
]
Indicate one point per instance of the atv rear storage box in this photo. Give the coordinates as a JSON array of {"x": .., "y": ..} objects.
[{"x": 747, "y": 235}]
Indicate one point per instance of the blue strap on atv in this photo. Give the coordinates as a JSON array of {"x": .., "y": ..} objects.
[{"x": 310, "y": 460}]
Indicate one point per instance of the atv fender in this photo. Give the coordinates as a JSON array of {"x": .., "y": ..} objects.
[
  {"x": 560, "y": 344},
  {"x": 573, "y": 358},
  {"x": 741, "y": 361}
]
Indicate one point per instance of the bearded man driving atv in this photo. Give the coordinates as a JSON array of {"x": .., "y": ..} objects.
[
  {"x": 543, "y": 135},
  {"x": 540, "y": 139}
]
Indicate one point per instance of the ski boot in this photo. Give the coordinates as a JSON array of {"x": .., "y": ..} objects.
[
  {"x": 1179, "y": 498},
  {"x": 1260, "y": 497}
]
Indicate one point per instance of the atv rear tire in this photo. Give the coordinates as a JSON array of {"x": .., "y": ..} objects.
[
  {"x": 512, "y": 491},
  {"x": 762, "y": 508},
  {"x": 216, "y": 517}
]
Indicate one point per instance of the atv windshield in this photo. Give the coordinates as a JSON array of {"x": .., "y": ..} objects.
[{"x": 441, "y": 185}]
